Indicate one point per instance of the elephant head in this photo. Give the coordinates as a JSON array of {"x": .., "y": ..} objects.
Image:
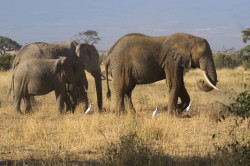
[
  {"x": 193, "y": 52},
  {"x": 89, "y": 58},
  {"x": 74, "y": 74}
]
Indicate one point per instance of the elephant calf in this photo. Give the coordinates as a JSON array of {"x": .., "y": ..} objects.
[{"x": 41, "y": 76}]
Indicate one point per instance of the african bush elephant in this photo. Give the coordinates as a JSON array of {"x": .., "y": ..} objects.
[
  {"x": 140, "y": 59},
  {"x": 30, "y": 78},
  {"x": 89, "y": 58},
  {"x": 74, "y": 51}
]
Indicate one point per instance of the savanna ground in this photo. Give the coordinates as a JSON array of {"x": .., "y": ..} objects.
[{"x": 210, "y": 135}]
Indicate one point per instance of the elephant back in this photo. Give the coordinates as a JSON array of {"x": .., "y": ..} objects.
[{"x": 44, "y": 50}]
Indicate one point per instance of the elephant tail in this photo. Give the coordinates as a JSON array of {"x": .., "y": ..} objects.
[{"x": 107, "y": 79}]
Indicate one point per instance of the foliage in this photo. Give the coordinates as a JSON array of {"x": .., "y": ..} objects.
[
  {"x": 245, "y": 51},
  {"x": 239, "y": 153},
  {"x": 7, "y": 44},
  {"x": 241, "y": 105},
  {"x": 236, "y": 153},
  {"x": 246, "y": 35},
  {"x": 132, "y": 150},
  {"x": 89, "y": 37},
  {"x": 246, "y": 63},
  {"x": 231, "y": 61},
  {"x": 6, "y": 61}
]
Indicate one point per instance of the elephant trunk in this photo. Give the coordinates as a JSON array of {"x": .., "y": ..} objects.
[
  {"x": 209, "y": 72},
  {"x": 98, "y": 84}
]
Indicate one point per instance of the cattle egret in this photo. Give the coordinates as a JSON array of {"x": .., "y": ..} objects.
[
  {"x": 155, "y": 112},
  {"x": 188, "y": 107},
  {"x": 87, "y": 111}
]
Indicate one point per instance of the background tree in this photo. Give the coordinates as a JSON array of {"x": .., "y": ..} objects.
[
  {"x": 246, "y": 35},
  {"x": 89, "y": 37},
  {"x": 7, "y": 44}
]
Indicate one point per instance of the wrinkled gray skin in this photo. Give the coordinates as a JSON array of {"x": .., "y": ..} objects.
[
  {"x": 76, "y": 52},
  {"x": 140, "y": 59},
  {"x": 89, "y": 57},
  {"x": 30, "y": 78}
]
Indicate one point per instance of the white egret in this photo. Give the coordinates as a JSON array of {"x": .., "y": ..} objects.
[
  {"x": 188, "y": 107},
  {"x": 87, "y": 111},
  {"x": 155, "y": 112}
]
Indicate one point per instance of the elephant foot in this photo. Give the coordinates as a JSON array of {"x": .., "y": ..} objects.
[
  {"x": 184, "y": 116},
  {"x": 62, "y": 112},
  {"x": 175, "y": 111},
  {"x": 19, "y": 112},
  {"x": 28, "y": 112},
  {"x": 102, "y": 110}
]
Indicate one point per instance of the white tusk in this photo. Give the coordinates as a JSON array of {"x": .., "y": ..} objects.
[
  {"x": 208, "y": 81},
  {"x": 188, "y": 107},
  {"x": 85, "y": 89}
]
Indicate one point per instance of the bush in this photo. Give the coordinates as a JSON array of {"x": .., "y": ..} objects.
[
  {"x": 6, "y": 61},
  {"x": 132, "y": 150},
  {"x": 241, "y": 105},
  {"x": 231, "y": 61},
  {"x": 246, "y": 63}
]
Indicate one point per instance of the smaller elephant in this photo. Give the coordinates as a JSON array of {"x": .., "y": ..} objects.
[{"x": 40, "y": 76}]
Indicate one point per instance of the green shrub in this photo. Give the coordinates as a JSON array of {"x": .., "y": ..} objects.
[
  {"x": 241, "y": 105},
  {"x": 231, "y": 61},
  {"x": 132, "y": 150},
  {"x": 246, "y": 62},
  {"x": 6, "y": 61}
]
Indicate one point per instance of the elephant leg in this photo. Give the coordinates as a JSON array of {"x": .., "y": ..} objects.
[
  {"x": 84, "y": 98},
  {"x": 129, "y": 99},
  {"x": 69, "y": 105},
  {"x": 60, "y": 102},
  {"x": 27, "y": 103},
  {"x": 119, "y": 92},
  {"x": 174, "y": 75},
  {"x": 173, "y": 99},
  {"x": 120, "y": 103},
  {"x": 185, "y": 99},
  {"x": 18, "y": 104}
]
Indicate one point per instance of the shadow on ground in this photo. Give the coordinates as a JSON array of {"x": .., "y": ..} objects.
[{"x": 224, "y": 158}]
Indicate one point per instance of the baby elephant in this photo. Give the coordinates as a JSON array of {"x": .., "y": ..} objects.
[{"x": 40, "y": 76}]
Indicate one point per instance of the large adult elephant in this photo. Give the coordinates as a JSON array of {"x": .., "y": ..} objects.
[
  {"x": 82, "y": 53},
  {"x": 89, "y": 57},
  {"x": 140, "y": 59}
]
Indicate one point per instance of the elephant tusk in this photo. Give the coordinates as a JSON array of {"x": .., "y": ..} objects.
[
  {"x": 85, "y": 89},
  {"x": 205, "y": 75}
]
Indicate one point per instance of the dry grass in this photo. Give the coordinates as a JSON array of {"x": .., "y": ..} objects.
[{"x": 49, "y": 138}]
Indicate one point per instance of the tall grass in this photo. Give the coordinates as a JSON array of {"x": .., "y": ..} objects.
[{"x": 47, "y": 137}]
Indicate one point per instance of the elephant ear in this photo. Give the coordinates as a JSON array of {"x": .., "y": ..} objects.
[
  {"x": 67, "y": 69},
  {"x": 82, "y": 52},
  {"x": 183, "y": 60},
  {"x": 89, "y": 57},
  {"x": 179, "y": 50}
]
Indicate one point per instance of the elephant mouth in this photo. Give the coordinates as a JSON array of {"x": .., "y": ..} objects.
[{"x": 207, "y": 85}]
